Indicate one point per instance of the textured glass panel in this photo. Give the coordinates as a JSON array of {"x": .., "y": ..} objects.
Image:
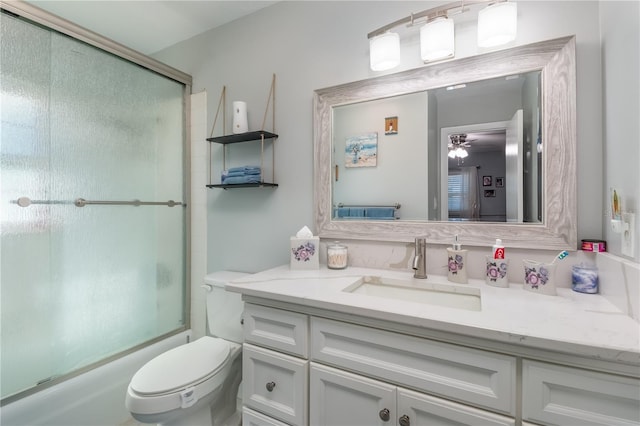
[
  {"x": 24, "y": 250},
  {"x": 83, "y": 283}
]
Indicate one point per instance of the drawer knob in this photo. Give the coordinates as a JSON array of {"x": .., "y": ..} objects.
[
  {"x": 270, "y": 386},
  {"x": 384, "y": 415},
  {"x": 404, "y": 421}
]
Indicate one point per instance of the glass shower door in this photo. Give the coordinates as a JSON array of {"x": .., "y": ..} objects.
[{"x": 82, "y": 282}]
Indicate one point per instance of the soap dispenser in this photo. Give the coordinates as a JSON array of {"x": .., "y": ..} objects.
[{"x": 457, "y": 263}]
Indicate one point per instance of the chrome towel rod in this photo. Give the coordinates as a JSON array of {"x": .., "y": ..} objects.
[{"x": 81, "y": 202}]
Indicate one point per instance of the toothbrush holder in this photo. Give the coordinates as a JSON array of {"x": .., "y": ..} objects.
[
  {"x": 539, "y": 277},
  {"x": 496, "y": 274}
]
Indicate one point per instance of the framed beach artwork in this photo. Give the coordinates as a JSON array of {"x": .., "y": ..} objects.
[{"x": 361, "y": 150}]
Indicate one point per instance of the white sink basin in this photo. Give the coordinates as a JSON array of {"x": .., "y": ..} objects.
[{"x": 452, "y": 296}]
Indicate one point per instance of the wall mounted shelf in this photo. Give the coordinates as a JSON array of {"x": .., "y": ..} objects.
[
  {"x": 243, "y": 137},
  {"x": 252, "y": 136},
  {"x": 244, "y": 185}
]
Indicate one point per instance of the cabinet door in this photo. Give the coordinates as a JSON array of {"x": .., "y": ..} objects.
[
  {"x": 554, "y": 394},
  {"x": 417, "y": 409},
  {"x": 341, "y": 398},
  {"x": 275, "y": 384}
]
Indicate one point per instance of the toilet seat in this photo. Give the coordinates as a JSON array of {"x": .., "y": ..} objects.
[
  {"x": 180, "y": 378},
  {"x": 181, "y": 367}
]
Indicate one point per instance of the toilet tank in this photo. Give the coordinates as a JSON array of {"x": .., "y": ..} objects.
[{"x": 224, "y": 309}]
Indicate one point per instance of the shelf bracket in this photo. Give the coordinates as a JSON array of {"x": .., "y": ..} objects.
[
  {"x": 221, "y": 104},
  {"x": 271, "y": 100}
]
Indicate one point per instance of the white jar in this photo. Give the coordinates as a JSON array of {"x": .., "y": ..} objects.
[{"x": 336, "y": 256}]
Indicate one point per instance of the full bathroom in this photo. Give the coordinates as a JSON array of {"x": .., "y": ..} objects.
[{"x": 122, "y": 246}]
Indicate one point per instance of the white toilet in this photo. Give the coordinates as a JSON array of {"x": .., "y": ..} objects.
[{"x": 196, "y": 383}]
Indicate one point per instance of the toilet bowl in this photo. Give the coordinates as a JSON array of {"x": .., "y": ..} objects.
[{"x": 196, "y": 383}]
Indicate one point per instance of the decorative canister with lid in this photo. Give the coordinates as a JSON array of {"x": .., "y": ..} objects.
[{"x": 336, "y": 256}]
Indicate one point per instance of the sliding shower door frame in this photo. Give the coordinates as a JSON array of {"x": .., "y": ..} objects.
[{"x": 53, "y": 22}]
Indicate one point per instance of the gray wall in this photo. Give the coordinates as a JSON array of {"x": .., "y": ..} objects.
[
  {"x": 404, "y": 151},
  {"x": 311, "y": 45},
  {"x": 620, "y": 32}
]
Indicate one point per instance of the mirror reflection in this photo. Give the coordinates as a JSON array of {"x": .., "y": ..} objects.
[{"x": 468, "y": 152}]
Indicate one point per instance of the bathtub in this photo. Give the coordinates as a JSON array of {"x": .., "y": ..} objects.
[{"x": 95, "y": 398}]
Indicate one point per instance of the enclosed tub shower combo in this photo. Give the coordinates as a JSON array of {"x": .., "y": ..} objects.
[{"x": 94, "y": 212}]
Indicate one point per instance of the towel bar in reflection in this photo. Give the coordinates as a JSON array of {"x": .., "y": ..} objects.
[
  {"x": 81, "y": 202},
  {"x": 395, "y": 206}
]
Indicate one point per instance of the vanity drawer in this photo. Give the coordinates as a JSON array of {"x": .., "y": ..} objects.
[
  {"x": 277, "y": 329},
  {"x": 253, "y": 418},
  {"x": 275, "y": 384},
  {"x": 563, "y": 395},
  {"x": 469, "y": 375}
]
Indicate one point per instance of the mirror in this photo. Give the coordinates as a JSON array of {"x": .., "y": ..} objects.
[
  {"x": 382, "y": 147},
  {"x": 479, "y": 176}
]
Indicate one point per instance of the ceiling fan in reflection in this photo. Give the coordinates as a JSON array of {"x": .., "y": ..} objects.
[{"x": 457, "y": 146}]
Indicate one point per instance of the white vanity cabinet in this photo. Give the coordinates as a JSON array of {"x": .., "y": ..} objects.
[
  {"x": 299, "y": 369},
  {"x": 308, "y": 366}
]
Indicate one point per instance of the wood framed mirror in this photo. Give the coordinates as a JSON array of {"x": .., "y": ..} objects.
[{"x": 550, "y": 63}]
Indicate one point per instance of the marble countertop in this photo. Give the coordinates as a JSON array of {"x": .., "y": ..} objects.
[{"x": 575, "y": 323}]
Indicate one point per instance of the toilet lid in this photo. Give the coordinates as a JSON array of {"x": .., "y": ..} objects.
[{"x": 181, "y": 366}]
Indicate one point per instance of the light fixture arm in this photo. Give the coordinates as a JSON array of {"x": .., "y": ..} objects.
[{"x": 429, "y": 15}]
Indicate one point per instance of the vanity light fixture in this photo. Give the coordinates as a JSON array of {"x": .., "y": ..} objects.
[
  {"x": 437, "y": 39},
  {"x": 384, "y": 51},
  {"x": 497, "y": 25}
]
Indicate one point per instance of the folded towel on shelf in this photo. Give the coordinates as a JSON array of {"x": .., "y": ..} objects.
[
  {"x": 234, "y": 180},
  {"x": 247, "y": 170},
  {"x": 242, "y": 174},
  {"x": 237, "y": 172},
  {"x": 380, "y": 212}
]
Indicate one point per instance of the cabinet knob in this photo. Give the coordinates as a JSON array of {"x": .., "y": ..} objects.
[
  {"x": 270, "y": 386},
  {"x": 404, "y": 420},
  {"x": 384, "y": 415}
]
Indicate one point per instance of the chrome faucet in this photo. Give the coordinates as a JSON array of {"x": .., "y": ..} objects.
[{"x": 420, "y": 258}]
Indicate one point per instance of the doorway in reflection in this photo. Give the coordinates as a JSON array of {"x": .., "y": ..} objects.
[
  {"x": 498, "y": 132},
  {"x": 476, "y": 176}
]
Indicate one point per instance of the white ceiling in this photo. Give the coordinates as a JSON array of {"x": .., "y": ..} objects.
[{"x": 150, "y": 25}]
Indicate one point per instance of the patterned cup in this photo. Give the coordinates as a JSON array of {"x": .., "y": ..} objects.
[
  {"x": 497, "y": 272},
  {"x": 539, "y": 277}
]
